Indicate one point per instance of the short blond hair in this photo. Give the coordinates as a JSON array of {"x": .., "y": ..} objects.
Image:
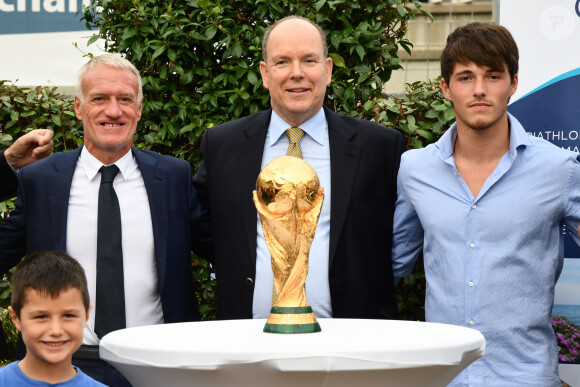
[{"x": 108, "y": 60}]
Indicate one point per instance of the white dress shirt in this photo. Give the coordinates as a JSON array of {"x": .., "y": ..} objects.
[
  {"x": 142, "y": 299},
  {"x": 316, "y": 152}
]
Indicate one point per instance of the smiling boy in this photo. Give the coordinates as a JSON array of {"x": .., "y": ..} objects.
[
  {"x": 50, "y": 307},
  {"x": 486, "y": 203}
]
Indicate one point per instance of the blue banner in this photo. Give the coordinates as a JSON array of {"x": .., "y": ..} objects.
[{"x": 41, "y": 16}]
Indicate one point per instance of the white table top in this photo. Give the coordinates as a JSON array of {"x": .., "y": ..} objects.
[{"x": 237, "y": 351}]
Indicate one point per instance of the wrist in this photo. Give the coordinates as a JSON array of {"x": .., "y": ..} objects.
[{"x": 10, "y": 160}]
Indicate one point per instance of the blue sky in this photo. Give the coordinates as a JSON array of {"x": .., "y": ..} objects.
[{"x": 568, "y": 286}]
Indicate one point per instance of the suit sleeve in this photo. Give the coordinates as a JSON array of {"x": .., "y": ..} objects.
[
  {"x": 200, "y": 221},
  {"x": 13, "y": 233},
  {"x": 8, "y": 179}
]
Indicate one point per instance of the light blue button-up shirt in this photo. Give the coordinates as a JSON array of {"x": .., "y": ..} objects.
[
  {"x": 316, "y": 152},
  {"x": 491, "y": 261}
]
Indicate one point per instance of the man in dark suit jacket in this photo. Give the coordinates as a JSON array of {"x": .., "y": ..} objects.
[
  {"x": 161, "y": 218},
  {"x": 362, "y": 170},
  {"x": 32, "y": 146}
]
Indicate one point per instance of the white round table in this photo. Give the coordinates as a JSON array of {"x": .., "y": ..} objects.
[{"x": 347, "y": 352}]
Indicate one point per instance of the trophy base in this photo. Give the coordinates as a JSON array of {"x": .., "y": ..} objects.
[{"x": 299, "y": 319}]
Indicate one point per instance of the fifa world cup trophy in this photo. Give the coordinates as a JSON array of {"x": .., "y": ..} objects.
[{"x": 288, "y": 198}]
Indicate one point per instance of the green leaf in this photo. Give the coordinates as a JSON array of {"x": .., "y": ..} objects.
[
  {"x": 252, "y": 77},
  {"x": 158, "y": 52},
  {"x": 210, "y": 32},
  {"x": 187, "y": 128},
  {"x": 93, "y": 39},
  {"x": 337, "y": 60},
  {"x": 449, "y": 115},
  {"x": 56, "y": 120}
]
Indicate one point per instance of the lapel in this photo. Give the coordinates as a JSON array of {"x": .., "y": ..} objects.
[
  {"x": 344, "y": 160},
  {"x": 155, "y": 180},
  {"x": 250, "y": 151},
  {"x": 58, "y": 182}
]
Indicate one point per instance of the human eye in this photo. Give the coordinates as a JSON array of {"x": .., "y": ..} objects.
[
  {"x": 40, "y": 317},
  {"x": 126, "y": 99},
  {"x": 97, "y": 98},
  {"x": 281, "y": 62}
]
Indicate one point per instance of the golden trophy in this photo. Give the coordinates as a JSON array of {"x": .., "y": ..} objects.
[{"x": 288, "y": 198}]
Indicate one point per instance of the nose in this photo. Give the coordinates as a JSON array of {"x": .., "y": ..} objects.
[
  {"x": 55, "y": 328},
  {"x": 296, "y": 71},
  {"x": 479, "y": 89},
  {"x": 113, "y": 108}
]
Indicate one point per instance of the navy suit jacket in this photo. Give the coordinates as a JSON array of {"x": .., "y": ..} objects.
[
  {"x": 39, "y": 221},
  {"x": 364, "y": 161},
  {"x": 8, "y": 180}
]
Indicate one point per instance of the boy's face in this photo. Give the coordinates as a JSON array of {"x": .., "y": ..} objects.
[{"x": 52, "y": 328}]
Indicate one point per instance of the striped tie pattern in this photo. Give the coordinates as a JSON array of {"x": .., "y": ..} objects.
[{"x": 294, "y": 136}]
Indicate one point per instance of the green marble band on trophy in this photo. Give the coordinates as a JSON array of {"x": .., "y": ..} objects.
[{"x": 288, "y": 198}]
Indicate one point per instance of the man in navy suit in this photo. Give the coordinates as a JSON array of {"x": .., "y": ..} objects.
[
  {"x": 350, "y": 272},
  {"x": 161, "y": 219}
]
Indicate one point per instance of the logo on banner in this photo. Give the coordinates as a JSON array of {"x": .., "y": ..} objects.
[
  {"x": 37, "y": 16},
  {"x": 557, "y": 22}
]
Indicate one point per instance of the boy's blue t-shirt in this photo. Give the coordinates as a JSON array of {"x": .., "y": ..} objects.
[{"x": 11, "y": 375}]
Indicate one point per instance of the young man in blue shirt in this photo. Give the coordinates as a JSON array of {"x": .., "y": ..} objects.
[{"x": 486, "y": 204}]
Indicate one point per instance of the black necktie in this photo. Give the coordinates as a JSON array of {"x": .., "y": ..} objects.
[{"x": 110, "y": 302}]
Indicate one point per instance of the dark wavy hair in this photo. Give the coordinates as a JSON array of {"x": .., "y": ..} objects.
[{"x": 487, "y": 45}]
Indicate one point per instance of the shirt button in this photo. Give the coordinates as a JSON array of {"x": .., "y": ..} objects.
[
  {"x": 471, "y": 322},
  {"x": 472, "y": 245},
  {"x": 470, "y": 284},
  {"x": 249, "y": 281},
  {"x": 474, "y": 206}
]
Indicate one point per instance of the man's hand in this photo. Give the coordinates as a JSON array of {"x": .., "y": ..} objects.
[{"x": 29, "y": 148}]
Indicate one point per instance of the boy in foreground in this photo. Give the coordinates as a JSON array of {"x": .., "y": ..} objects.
[{"x": 50, "y": 307}]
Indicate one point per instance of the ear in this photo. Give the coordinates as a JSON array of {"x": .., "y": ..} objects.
[
  {"x": 139, "y": 111},
  {"x": 264, "y": 73},
  {"x": 78, "y": 109},
  {"x": 328, "y": 70},
  {"x": 88, "y": 314},
  {"x": 514, "y": 85},
  {"x": 445, "y": 90},
  {"x": 14, "y": 317}
]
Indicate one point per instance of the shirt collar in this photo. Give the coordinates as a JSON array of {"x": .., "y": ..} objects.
[
  {"x": 92, "y": 165},
  {"x": 518, "y": 137},
  {"x": 314, "y": 127}
]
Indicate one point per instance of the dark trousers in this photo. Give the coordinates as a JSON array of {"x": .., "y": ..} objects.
[{"x": 102, "y": 371}]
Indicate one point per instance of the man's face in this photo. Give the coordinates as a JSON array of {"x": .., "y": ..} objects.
[
  {"x": 109, "y": 111},
  {"x": 52, "y": 328},
  {"x": 296, "y": 72},
  {"x": 480, "y": 95}
]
